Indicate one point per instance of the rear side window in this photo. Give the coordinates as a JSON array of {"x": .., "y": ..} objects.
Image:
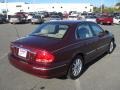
[
  {"x": 84, "y": 31},
  {"x": 96, "y": 28}
]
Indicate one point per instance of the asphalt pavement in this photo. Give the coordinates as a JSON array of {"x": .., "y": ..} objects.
[{"x": 102, "y": 74}]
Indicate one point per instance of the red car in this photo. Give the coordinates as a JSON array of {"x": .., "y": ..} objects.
[
  {"x": 60, "y": 48},
  {"x": 105, "y": 20}
]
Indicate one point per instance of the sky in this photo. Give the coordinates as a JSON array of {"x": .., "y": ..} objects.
[{"x": 93, "y": 2}]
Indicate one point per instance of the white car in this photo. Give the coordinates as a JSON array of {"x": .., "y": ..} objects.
[
  {"x": 116, "y": 20},
  {"x": 90, "y": 18}
]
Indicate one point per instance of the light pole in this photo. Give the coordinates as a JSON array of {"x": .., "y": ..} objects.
[{"x": 101, "y": 7}]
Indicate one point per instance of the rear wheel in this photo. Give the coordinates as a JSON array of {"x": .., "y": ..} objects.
[{"x": 76, "y": 68}]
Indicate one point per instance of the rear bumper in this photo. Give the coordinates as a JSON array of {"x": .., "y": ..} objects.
[{"x": 38, "y": 71}]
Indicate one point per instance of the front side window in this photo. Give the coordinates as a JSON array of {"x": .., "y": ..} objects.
[
  {"x": 97, "y": 29},
  {"x": 84, "y": 31},
  {"x": 51, "y": 30}
]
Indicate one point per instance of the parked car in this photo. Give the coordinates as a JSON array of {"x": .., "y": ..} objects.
[
  {"x": 60, "y": 48},
  {"x": 52, "y": 13},
  {"x": 46, "y": 14},
  {"x": 22, "y": 14},
  {"x": 55, "y": 17},
  {"x": 37, "y": 19},
  {"x": 105, "y": 20},
  {"x": 60, "y": 14},
  {"x": 91, "y": 18},
  {"x": 2, "y": 19},
  {"x": 116, "y": 20},
  {"x": 17, "y": 19},
  {"x": 42, "y": 14}
]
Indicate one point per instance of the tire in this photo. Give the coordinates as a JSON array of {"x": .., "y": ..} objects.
[
  {"x": 76, "y": 68},
  {"x": 111, "y": 47}
]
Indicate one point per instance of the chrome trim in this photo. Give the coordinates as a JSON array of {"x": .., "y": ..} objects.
[
  {"x": 91, "y": 51},
  {"x": 102, "y": 46},
  {"x": 65, "y": 47},
  {"x": 48, "y": 68}
]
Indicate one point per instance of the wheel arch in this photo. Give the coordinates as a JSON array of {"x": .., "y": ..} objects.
[{"x": 79, "y": 54}]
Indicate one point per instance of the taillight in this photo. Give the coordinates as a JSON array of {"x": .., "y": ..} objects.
[{"x": 44, "y": 56}]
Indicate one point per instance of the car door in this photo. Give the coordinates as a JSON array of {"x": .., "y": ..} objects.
[
  {"x": 85, "y": 36},
  {"x": 103, "y": 38}
]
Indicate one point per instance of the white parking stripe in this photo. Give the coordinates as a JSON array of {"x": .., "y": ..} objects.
[{"x": 77, "y": 84}]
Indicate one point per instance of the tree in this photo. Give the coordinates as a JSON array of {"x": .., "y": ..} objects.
[{"x": 118, "y": 4}]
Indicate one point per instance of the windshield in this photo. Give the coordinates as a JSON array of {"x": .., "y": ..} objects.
[
  {"x": 117, "y": 17},
  {"x": 51, "y": 30},
  {"x": 91, "y": 17}
]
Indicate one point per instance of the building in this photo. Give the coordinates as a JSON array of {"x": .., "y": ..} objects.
[{"x": 58, "y": 7}]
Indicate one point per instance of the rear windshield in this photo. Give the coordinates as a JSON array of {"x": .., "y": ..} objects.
[{"x": 51, "y": 30}]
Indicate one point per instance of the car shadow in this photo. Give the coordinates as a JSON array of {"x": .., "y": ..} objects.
[
  {"x": 93, "y": 62},
  {"x": 90, "y": 63},
  {"x": 96, "y": 60}
]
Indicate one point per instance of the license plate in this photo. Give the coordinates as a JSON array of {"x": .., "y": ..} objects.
[{"x": 22, "y": 52}]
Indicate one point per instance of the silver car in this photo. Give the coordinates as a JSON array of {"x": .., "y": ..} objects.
[
  {"x": 37, "y": 19},
  {"x": 17, "y": 19}
]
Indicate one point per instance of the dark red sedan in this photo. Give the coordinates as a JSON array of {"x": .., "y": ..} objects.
[{"x": 60, "y": 48}]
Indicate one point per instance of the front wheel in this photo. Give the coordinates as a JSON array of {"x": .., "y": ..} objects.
[
  {"x": 76, "y": 68},
  {"x": 111, "y": 47}
]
